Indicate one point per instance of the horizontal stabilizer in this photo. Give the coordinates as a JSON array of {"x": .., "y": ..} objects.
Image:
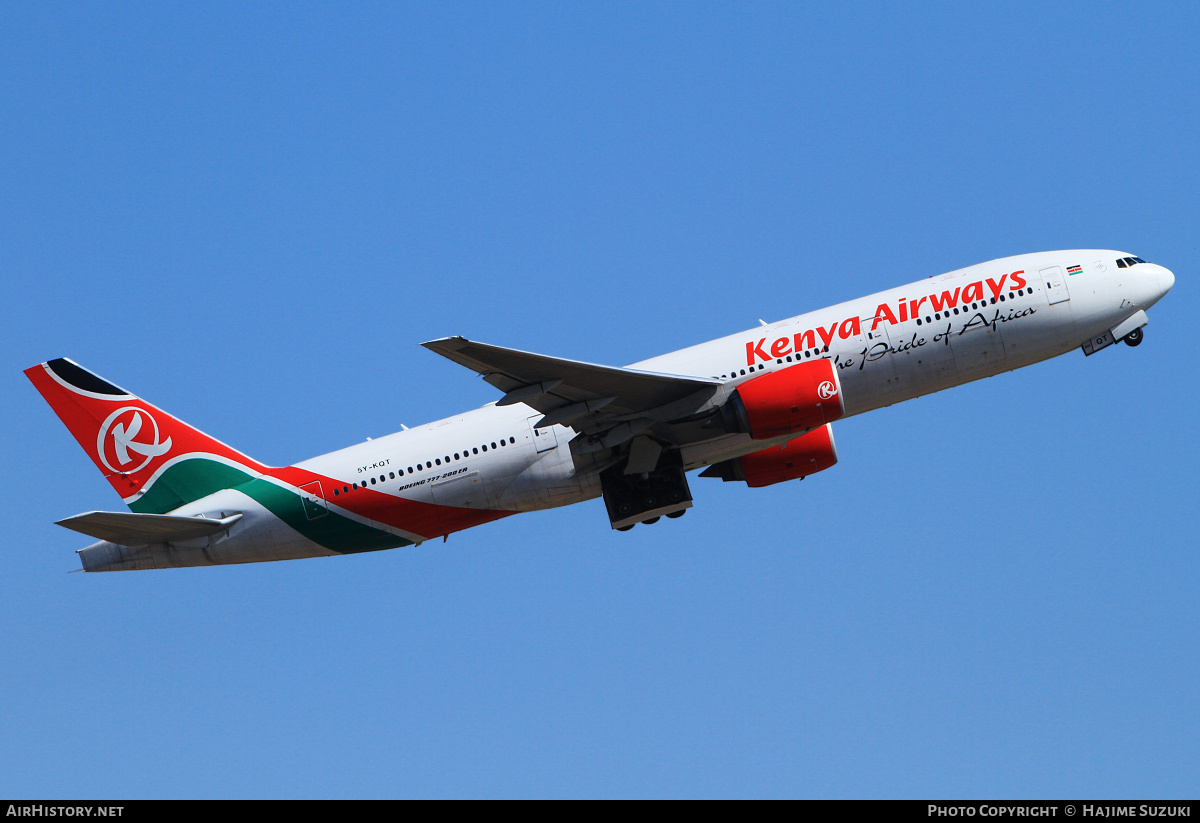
[{"x": 128, "y": 529}]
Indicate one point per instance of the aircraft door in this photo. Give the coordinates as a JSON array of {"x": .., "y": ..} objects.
[
  {"x": 1056, "y": 284},
  {"x": 543, "y": 439},
  {"x": 313, "y": 500}
]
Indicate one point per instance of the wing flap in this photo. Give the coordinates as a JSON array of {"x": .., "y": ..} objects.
[{"x": 129, "y": 529}]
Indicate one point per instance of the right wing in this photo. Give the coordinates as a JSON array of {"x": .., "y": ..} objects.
[{"x": 607, "y": 401}]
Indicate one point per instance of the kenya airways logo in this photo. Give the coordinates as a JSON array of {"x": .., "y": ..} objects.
[
  {"x": 827, "y": 390},
  {"x": 117, "y": 435}
]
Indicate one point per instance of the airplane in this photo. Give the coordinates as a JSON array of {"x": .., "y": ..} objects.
[{"x": 754, "y": 407}]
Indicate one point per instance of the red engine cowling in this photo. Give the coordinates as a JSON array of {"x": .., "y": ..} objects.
[
  {"x": 808, "y": 454},
  {"x": 798, "y": 398}
]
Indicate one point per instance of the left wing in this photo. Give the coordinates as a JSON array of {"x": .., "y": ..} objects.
[{"x": 616, "y": 402}]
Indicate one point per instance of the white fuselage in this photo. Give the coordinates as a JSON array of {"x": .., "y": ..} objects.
[{"x": 888, "y": 347}]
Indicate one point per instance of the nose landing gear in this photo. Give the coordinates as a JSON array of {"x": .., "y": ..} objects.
[{"x": 1134, "y": 338}]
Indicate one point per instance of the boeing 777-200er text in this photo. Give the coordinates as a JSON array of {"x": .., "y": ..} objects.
[{"x": 754, "y": 407}]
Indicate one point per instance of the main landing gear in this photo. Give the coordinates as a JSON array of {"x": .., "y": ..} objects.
[
  {"x": 644, "y": 498},
  {"x": 1134, "y": 338}
]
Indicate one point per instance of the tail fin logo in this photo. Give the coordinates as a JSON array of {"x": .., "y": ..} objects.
[{"x": 117, "y": 435}]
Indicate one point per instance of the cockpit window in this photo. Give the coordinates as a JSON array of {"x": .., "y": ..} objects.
[{"x": 1126, "y": 262}]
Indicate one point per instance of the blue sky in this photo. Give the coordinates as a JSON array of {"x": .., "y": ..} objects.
[{"x": 251, "y": 215}]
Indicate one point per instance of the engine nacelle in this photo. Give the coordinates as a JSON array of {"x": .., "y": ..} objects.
[
  {"x": 807, "y": 454},
  {"x": 795, "y": 399}
]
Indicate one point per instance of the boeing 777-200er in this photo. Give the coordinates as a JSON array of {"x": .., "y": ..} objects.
[{"x": 754, "y": 407}]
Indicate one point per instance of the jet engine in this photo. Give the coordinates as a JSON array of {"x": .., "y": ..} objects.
[
  {"x": 798, "y": 398},
  {"x": 808, "y": 454}
]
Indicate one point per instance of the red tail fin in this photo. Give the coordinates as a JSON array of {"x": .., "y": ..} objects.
[{"x": 129, "y": 440}]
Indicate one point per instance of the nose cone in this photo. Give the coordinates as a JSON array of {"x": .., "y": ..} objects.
[
  {"x": 1150, "y": 282},
  {"x": 1165, "y": 281}
]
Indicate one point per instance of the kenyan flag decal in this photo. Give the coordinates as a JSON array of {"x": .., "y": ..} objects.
[{"x": 1074, "y": 269}]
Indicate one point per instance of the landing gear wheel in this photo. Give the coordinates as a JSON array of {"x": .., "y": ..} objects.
[
  {"x": 625, "y": 528},
  {"x": 679, "y": 513},
  {"x": 1134, "y": 338},
  {"x": 651, "y": 521}
]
